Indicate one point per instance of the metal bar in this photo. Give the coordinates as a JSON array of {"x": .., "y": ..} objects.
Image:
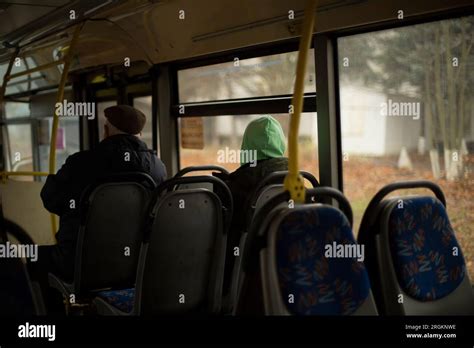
[
  {"x": 24, "y": 174},
  {"x": 268, "y": 105},
  {"x": 4, "y": 175},
  {"x": 167, "y": 125},
  {"x": 294, "y": 181},
  {"x": 330, "y": 155},
  {"x": 33, "y": 70},
  {"x": 154, "y": 108},
  {"x": 5, "y": 79},
  {"x": 59, "y": 99}
]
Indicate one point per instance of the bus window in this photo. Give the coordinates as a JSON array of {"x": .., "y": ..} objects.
[
  {"x": 246, "y": 78},
  {"x": 67, "y": 141},
  {"x": 101, "y": 106},
  {"x": 144, "y": 105},
  {"x": 407, "y": 113},
  {"x": 20, "y": 148},
  {"x": 223, "y": 137},
  {"x": 17, "y": 110}
]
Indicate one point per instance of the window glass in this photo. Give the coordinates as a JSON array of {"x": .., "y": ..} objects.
[
  {"x": 17, "y": 110},
  {"x": 144, "y": 105},
  {"x": 20, "y": 149},
  {"x": 32, "y": 81},
  {"x": 223, "y": 137},
  {"x": 407, "y": 109},
  {"x": 67, "y": 142},
  {"x": 246, "y": 78}
]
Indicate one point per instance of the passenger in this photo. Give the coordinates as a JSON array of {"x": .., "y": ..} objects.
[
  {"x": 120, "y": 151},
  {"x": 262, "y": 150}
]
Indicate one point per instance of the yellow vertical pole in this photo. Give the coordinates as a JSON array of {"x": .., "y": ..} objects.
[
  {"x": 294, "y": 182},
  {"x": 59, "y": 99}
]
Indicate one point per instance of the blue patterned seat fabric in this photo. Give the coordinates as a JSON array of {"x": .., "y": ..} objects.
[
  {"x": 320, "y": 285},
  {"x": 423, "y": 246},
  {"x": 120, "y": 299}
]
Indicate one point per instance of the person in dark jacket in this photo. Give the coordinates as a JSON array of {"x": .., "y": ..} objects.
[
  {"x": 120, "y": 151},
  {"x": 264, "y": 138}
]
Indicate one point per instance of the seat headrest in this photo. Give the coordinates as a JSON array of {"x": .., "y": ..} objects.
[
  {"x": 311, "y": 267},
  {"x": 426, "y": 255}
]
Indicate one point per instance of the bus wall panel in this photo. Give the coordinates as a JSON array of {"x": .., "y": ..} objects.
[{"x": 22, "y": 204}]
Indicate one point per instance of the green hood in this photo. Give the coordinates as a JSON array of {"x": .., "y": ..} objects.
[{"x": 265, "y": 136}]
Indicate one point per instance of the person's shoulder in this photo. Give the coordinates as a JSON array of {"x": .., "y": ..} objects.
[{"x": 79, "y": 157}]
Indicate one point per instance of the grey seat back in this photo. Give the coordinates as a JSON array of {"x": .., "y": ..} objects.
[
  {"x": 267, "y": 193},
  {"x": 110, "y": 236},
  {"x": 184, "y": 264},
  {"x": 194, "y": 169}
]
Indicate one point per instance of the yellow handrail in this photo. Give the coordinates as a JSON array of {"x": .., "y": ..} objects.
[
  {"x": 35, "y": 69},
  {"x": 294, "y": 182},
  {"x": 5, "y": 175},
  {"x": 59, "y": 99},
  {"x": 24, "y": 173}
]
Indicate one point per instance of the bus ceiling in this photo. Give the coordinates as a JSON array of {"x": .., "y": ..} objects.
[{"x": 158, "y": 31}]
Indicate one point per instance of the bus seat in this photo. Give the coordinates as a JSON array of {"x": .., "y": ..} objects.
[
  {"x": 289, "y": 253},
  {"x": 19, "y": 296},
  {"x": 267, "y": 193},
  {"x": 268, "y": 188},
  {"x": 263, "y": 192},
  {"x": 194, "y": 169},
  {"x": 110, "y": 235},
  {"x": 182, "y": 263},
  {"x": 414, "y": 260}
]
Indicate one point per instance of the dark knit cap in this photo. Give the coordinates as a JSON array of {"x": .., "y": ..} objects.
[{"x": 126, "y": 118}]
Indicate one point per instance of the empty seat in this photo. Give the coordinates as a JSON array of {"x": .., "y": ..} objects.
[
  {"x": 414, "y": 260},
  {"x": 182, "y": 262},
  {"x": 287, "y": 252},
  {"x": 110, "y": 235}
]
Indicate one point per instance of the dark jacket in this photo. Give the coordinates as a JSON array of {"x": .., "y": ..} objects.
[
  {"x": 242, "y": 183},
  {"x": 84, "y": 168}
]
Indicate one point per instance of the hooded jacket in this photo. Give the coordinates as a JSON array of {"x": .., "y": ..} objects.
[
  {"x": 83, "y": 169},
  {"x": 264, "y": 141}
]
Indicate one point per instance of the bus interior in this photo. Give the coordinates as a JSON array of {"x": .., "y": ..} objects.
[{"x": 383, "y": 140}]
